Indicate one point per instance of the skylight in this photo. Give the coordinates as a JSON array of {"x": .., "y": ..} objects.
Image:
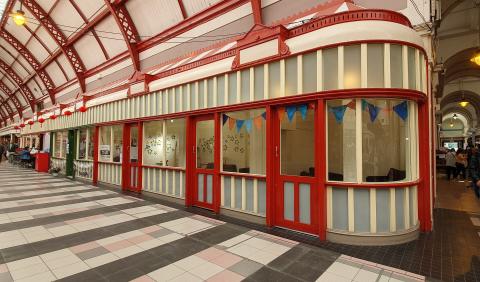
[{"x": 3, "y": 4}]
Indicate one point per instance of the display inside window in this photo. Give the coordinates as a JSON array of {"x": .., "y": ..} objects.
[
  {"x": 385, "y": 140},
  {"x": 205, "y": 140},
  {"x": 82, "y": 144},
  {"x": 244, "y": 142},
  {"x": 164, "y": 143},
  {"x": 57, "y": 144},
  {"x": 105, "y": 144},
  {"x": 117, "y": 133},
  {"x": 90, "y": 144},
  {"x": 64, "y": 145},
  {"x": 341, "y": 145},
  {"x": 297, "y": 140}
]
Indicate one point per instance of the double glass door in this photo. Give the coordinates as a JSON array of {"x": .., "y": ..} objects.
[
  {"x": 204, "y": 151},
  {"x": 295, "y": 169}
]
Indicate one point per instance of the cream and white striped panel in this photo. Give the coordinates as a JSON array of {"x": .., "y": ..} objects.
[
  {"x": 244, "y": 194},
  {"x": 59, "y": 163},
  {"x": 84, "y": 169},
  {"x": 110, "y": 173},
  {"x": 164, "y": 181}
]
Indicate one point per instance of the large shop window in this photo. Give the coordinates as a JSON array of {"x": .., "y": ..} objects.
[
  {"x": 111, "y": 143},
  {"x": 244, "y": 142},
  {"x": 164, "y": 143},
  {"x": 297, "y": 141},
  {"x": 85, "y": 144},
  {"x": 60, "y": 144},
  {"x": 388, "y": 149}
]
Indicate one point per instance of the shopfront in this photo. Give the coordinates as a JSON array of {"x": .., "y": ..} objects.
[{"x": 327, "y": 135}]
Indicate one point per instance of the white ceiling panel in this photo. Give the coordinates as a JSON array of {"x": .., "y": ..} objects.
[
  {"x": 20, "y": 32},
  {"x": 89, "y": 51},
  {"x": 91, "y": 7},
  {"x": 8, "y": 84},
  {"x": 66, "y": 17},
  {"x": 45, "y": 37},
  {"x": 12, "y": 105},
  {"x": 6, "y": 57},
  {"x": 110, "y": 36},
  {"x": 56, "y": 74},
  {"x": 9, "y": 47},
  {"x": 45, "y": 4},
  {"x": 194, "y": 6},
  {"x": 19, "y": 70},
  {"x": 37, "y": 49},
  {"x": 34, "y": 88},
  {"x": 25, "y": 64},
  {"x": 62, "y": 60},
  {"x": 153, "y": 16}
]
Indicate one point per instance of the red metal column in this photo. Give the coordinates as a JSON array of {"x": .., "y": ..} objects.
[
  {"x": 217, "y": 190},
  {"x": 321, "y": 167},
  {"x": 189, "y": 160},
  {"x": 140, "y": 157},
  {"x": 270, "y": 181},
  {"x": 257, "y": 11},
  {"x": 424, "y": 207},
  {"x": 95, "y": 155}
]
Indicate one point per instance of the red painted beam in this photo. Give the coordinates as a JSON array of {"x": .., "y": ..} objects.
[
  {"x": 128, "y": 29},
  {"x": 182, "y": 9},
  {"x": 257, "y": 11},
  {"x": 47, "y": 81},
  {"x": 52, "y": 28},
  {"x": 23, "y": 87},
  {"x": 12, "y": 97}
]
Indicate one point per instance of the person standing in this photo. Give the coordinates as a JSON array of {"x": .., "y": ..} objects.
[
  {"x": 2, "y": 151},
  {"x": 451, "y": 159},
  {"x": 461, "y": 163},
  {"x": 475, "y": 171}
]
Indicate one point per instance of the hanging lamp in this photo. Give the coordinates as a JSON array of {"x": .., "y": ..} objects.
[{"x": 19, "y": 16}]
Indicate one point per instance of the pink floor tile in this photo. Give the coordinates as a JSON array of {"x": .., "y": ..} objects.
[
  {"x": 226, "y": 275},
  {"x": 140, "y": 238},
  {"x": 3, "y": 268},
  {"x": 210, "y": 254},
  {"x": 84, "y": 247},
  {"x": 150, "y": 229},
  {"x": 144, "y": 278},
  {"x": 118, "y": 245},
  {"x": 226, "y": 260}
]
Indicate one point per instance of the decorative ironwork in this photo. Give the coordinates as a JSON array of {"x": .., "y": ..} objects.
[
  {"x": 52, "y": 28},
  {"x": 12, "y": 97},
  {"x": 24, "y": 89}
]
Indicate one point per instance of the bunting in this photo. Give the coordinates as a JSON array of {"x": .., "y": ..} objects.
[
  {"x": 239, "y": 123},
  {"x": 339, "y": 112}
]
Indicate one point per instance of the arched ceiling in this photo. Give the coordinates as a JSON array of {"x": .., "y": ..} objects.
[{"x": 65, "y": 41}]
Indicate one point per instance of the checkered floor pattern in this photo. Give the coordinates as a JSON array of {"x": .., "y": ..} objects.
[{"x": 58, "y": 229}]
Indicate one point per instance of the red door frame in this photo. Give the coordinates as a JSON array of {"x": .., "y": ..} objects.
[
  {"x": 317, "y": 210},
  {"x": 126, "y": 164},
  {"x": 192, "y": 172}
]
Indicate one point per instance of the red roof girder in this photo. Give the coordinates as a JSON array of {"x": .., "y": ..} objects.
[
  {"x": 128, "y": 29},
  {"x": 47, "y": 81},
  {"x": 12, "y": 97},
  {"x": 6, "y": 109},
  {"x": 57, "y": 35},
  {"x": 21, "y": 85}
]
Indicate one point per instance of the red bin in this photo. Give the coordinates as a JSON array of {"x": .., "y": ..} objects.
[{"x": 41, "y": 162}]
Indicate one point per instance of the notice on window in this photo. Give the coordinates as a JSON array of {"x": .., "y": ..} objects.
[{"x": 105, "y": 153}]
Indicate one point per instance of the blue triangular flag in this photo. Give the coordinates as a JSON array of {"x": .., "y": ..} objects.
[
  {"x": 239, "y": 124},
  {"x": 248, "y": 125},
  {"x": 225, "y": 119},
  {"x": 303, "y": 110},
  {"x": 339, "y": 112},
  {"x": 264, "y": 115},
  {"x": 402, "y": 110},
  {"x": 374, "y": 111},
  {"x": 290, "y": 112}
]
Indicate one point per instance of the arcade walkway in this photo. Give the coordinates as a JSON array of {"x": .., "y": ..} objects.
[{"x": 54, "y": 228}]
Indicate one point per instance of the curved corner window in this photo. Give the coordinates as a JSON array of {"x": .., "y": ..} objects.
[{"x": 383, "y": 130}]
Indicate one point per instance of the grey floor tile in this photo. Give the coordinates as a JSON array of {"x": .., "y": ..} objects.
[{"x": 245, "y": 267}]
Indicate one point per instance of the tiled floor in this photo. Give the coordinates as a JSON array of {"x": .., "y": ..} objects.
[{"x": 57, "y": 229}]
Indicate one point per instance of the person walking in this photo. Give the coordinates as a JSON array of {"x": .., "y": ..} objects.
[
  {"x": 451, "y": 159},
  {"x": 475, "y": 171},
  {"x": 461, "y": 163}
]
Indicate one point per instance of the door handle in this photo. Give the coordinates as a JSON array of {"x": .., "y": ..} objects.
[{"x": 276, "y": 151}]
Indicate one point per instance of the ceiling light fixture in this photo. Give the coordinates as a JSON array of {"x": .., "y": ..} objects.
[
  {"x": 19, "y": 16},
  {"x": 455, "y": 116},
  {"x": 476, "y": 58}
]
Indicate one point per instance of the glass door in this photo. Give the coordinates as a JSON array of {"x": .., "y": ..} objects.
[
  {"x": 132, "y": 160},
  {"x": 204, "y": 176},
  {"x": 296, "y": 181}
]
